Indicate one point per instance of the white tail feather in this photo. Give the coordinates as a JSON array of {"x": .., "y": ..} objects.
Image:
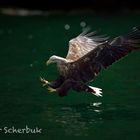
[{"x": 97, "y": 92}]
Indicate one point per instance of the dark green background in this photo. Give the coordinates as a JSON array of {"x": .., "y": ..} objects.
[{"x": 25, "y": 45}]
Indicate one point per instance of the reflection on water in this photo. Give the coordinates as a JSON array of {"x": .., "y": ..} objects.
[
  {"x": 79, "y": 120},
  {"x": 75, "y": 120}
]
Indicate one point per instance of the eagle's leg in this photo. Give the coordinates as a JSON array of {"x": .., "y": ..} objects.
[
  {"x": 46, "y": 83},
  {"x": 72, "y": 84},
  {"x": 80, "y": 86},
  {"x": 54, "y": 84},
  {"x": 57, "y": 83},
  {"x": 65, "y": 87}
]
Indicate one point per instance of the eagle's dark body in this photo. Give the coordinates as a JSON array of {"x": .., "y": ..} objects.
[{"x": 75, "y": 74}]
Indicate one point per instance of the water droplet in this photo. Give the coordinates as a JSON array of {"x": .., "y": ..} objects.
[
  {"x": 67, "y": 26},
  {"x": 82, "y": 24}
]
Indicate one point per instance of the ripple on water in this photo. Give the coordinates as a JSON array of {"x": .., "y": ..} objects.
[
  {"x": 78, "y": 119},
  {"x": 74, "y": 120}
]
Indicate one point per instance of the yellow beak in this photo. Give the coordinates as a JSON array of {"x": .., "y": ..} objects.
[{"x": 48, "y": 62}]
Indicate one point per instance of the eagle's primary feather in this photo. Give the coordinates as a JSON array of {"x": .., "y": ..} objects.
[
  {"x": 88, "y": 54},
  {"x": 84, "y": 43}
]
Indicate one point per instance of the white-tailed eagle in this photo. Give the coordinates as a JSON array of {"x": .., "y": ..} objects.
[{"x": 88, "y": 54}]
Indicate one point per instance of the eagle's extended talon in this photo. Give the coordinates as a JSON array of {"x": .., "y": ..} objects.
[
  {"x": 51, "y": 89},
  {"x": 45, "y": 82}
]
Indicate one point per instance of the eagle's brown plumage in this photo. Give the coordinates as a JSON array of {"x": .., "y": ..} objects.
[{"x": 88, "y": 54}]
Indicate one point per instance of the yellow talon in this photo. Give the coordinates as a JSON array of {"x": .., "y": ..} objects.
[
  {"x": 51, "y": 89},
  {"x": 45, "y": 82}
]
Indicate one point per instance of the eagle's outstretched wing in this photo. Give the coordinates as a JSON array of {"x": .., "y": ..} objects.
[
  {"x": 88, "y": 66},
  {"x": 84, "y": 43}
]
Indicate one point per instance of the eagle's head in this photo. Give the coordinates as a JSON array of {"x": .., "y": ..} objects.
[{"x": 56, "y": 59}]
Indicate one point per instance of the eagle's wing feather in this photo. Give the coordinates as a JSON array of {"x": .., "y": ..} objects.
[
  {"x": 84, "y": 43},
  {"x": 105, "y": 54},
  {"x": 131, "y": 38}
]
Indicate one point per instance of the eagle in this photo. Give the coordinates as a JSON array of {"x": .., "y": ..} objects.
[{"x": 88, "y": 54}]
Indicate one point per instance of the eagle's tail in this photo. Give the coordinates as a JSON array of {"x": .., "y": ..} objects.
[{"x": 96, "y": 91}]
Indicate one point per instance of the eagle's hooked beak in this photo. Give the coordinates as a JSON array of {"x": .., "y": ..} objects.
[{"x": 48, "y": 62}]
